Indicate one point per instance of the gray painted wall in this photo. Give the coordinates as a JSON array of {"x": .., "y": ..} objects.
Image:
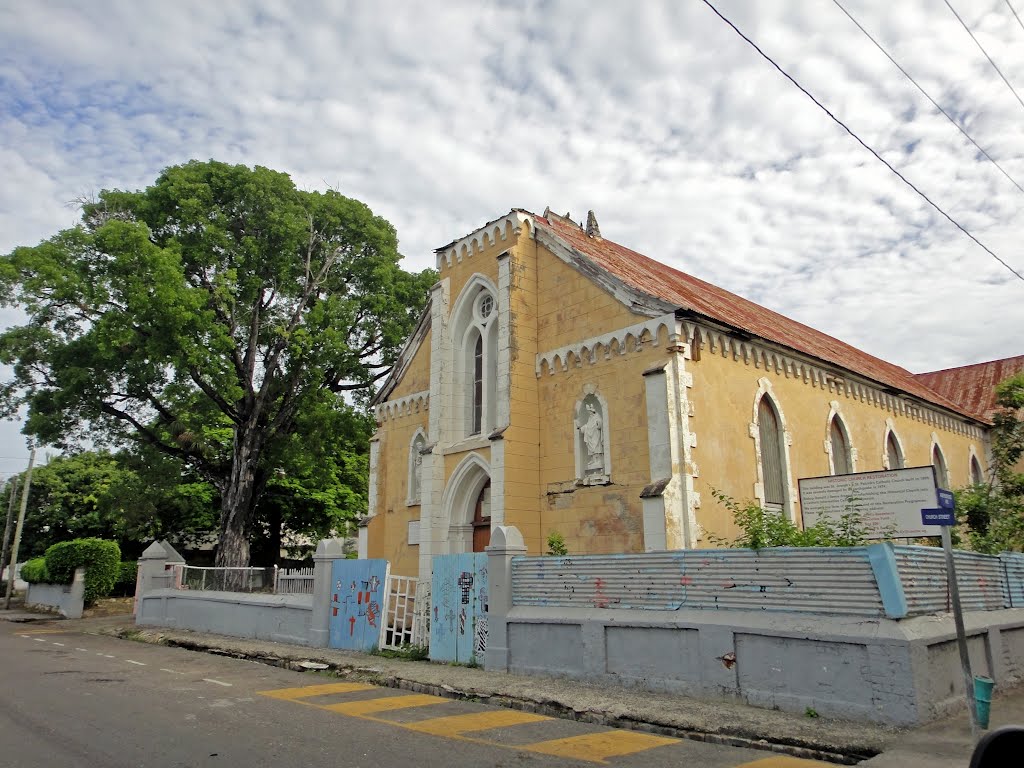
[
  {"x": 280, "y": 618},
  {"x": 67, "y": 599}
]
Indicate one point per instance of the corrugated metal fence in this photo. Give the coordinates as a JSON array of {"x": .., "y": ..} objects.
[
  {"x": 804, "y": 580},
  {"x": 923, "y": 574},
  {"x": 1013, "y": 575},
  {"x": 827, "y": 580}
]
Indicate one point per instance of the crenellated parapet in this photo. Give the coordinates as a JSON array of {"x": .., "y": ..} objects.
[
  {"x": 417, "y": 402},
  {"x": 501, "y": 231},
  {"x": 622, "y": 341}
]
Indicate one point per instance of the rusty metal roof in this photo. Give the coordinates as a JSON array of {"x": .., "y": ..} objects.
[
  {"x": 690, "y": 293},
  {"x": 973, "y": 387}
]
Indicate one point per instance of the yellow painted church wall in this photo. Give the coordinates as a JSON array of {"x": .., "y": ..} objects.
[
  {"x": 388, "y": 534},
  {"x": 723, "y": 398}
]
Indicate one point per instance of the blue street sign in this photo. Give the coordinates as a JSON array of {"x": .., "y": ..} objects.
[
  {"x": 946, "y": 499},
  {"x": 938, "y": 517}
]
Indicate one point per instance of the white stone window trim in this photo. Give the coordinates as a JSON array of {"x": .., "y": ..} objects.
[
  {"x": 890, "y": 429},
  {"x": 582, "y": 478},
  {"x": 458, "y": 501},
  {"x": 764, "y": 389},
  {"x": 944, "y": 482},
  {"x": 414, "y": 480},
  {"x": 466, "y": 320},
  {"x": 835, "y": 411},
  {"x": 972, "y": 459}
]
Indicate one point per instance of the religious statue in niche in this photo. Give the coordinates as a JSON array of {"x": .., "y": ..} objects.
[{"x": 590, "y": 426}]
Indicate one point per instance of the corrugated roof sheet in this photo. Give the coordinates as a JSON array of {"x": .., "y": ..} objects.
[
  {"x": 973, "y": 387},
  {"x": 687, "y": 292}
]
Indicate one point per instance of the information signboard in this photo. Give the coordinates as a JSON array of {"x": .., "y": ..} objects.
[{"x": 889, "y": 502}]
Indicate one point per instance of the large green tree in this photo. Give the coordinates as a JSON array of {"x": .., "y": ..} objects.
[{"x": 201, "y": 316}]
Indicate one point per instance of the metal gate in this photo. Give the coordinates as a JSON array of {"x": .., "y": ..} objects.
[
  {"x": 458, "y": 611},
  {"x": 357, "y": 597}
]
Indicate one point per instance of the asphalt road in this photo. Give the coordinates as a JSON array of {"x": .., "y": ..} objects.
[{"x": 71, "y": 700}]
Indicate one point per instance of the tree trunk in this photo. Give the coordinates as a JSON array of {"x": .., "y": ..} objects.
[{"x": 238, "y": 502}]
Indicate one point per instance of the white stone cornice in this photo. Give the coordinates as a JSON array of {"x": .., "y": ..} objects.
[
  {"x": 417, "y": 402},
  {"x": 502, "y": 230},
  {"x": 621, "y": 341}
]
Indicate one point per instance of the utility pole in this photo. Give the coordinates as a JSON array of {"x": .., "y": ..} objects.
[
  {"x": 17, "y": 531},
  {"x": 7, "y": 528}
]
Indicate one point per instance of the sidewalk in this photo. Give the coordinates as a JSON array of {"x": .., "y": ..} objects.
[{"x": 937, "y": 745}]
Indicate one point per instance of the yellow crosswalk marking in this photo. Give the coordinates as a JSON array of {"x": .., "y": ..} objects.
[
  {"x": 785, "y": 761},
  {"x": 308, "y": 691},
  {"x": 478, "y": 721},
  {"x": 595, "y": 747},
  {"x": 387, "y": 704}
]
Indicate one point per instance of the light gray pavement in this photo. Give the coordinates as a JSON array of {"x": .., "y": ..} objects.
[{"x": 938, "y": 745}]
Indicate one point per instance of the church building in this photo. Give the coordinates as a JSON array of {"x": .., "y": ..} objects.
[{"x": 562, "y": 383}]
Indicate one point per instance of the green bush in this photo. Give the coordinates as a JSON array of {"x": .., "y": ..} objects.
[
  {"x": 125, "y": 585},
  {"x": 101, "y": 560},
  {"x": 34, "y": 571}
]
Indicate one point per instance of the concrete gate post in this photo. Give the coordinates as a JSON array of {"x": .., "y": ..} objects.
[
  {"x": 327, "y": 551},
  {"x": 506, "y": 543}
]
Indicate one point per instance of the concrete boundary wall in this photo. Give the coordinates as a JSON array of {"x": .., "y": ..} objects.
[
  {"x": 67, "y": 599},
  {"x": 298, "y": 619},
  {"x": 279, "y": 618},
  {"x": 897, "y": 671}
]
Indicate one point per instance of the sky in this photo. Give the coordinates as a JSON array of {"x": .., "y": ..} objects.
[{"x": 688, "y": 145}]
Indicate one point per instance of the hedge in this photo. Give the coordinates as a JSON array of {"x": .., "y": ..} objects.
[
  {"x": 101, "y": 560},
  {"x": 34, "y": 571},
  {"x": 125, "y": 586}
]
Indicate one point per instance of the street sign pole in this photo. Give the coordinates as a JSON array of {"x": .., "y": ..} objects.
[
  {"x": 961, "y": 634},
  {"x": 944, "y": 516}
]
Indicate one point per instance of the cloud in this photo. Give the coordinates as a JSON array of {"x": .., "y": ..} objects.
[{"x": 690, "y": 147}]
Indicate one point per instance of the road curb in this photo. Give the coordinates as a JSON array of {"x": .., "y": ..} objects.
[{"x": 845, "y": 754}]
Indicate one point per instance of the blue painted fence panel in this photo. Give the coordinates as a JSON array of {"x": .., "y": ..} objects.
[
  {"x": 458, "y": 621},
  {"x": 357, "y": 600}
]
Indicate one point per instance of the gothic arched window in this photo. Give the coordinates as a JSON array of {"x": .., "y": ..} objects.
[{"x": 773, "y": 469}]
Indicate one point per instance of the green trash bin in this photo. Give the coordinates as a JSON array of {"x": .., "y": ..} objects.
[{"x": 983, "y": 698}]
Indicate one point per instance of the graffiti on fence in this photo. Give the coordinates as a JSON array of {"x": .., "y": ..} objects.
[
  {"x": 356, "y": 598},
  {"x": 458, "y": 631}
]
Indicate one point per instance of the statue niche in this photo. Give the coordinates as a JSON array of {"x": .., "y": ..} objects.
[{"x": 591, "y": 442}]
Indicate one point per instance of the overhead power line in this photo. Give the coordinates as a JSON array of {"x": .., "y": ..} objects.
[
  {"x": 982, "y": 49},
  {"x": 860, "y": 141},
  {"x": 1015, "y": 14},
  {"x": 933, "y": 101}
]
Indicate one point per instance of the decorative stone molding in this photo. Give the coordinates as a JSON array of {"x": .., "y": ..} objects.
[
  {"x": 845, "y": 384},
  {"x": 417, "y": 402},
  {"x": 632, "y": 338},
  {"x": 501, "y": 230}
]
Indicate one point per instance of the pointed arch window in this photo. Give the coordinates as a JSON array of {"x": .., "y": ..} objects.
[
  {"x": 977, "y": 476},
  {"x": 842, "y": 459},
  {"x": 939, "y": 462},
  {"x": 772, "y": 468},
  {"x": 478, "y": 385},
  {"x": 475, "y": 337},
  {"x": 893, "y": 452}
]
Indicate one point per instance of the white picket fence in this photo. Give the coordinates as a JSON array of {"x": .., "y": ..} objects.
[{"x": 295, "y": 581}]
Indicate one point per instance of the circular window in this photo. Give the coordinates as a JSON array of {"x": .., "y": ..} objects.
[{"x": 486, "y": 306}]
